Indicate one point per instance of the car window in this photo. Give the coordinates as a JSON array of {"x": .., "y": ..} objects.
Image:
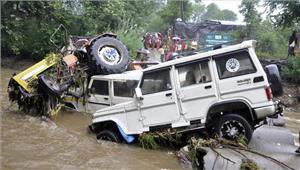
[
  {"x": 156, "y": 81},
  {"x": 194, "y": 73},
  {"x": 121, "y": 89},
  {"x": 100, "y": 87},
  {"x": 234, "y": 64}
]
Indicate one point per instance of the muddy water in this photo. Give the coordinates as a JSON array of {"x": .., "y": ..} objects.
[{"x": 31, "y": 143}]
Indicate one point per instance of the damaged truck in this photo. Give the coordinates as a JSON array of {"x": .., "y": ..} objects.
[{"x": 67, "y": 72}]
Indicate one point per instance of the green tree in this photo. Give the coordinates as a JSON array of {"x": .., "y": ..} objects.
[
  {"x": 176, "y": 9},
  {"x": 26, "y": 27},
  {"x": 213, "y": 12},
  {"x": 228, "y": 15},
  {"x": 198, "y": 12},
  {"x": 287, "y": 12},
  {"x": 252, "y": 17}
]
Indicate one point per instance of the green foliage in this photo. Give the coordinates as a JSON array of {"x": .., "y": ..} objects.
[
  {"x": 198, "y": 12},
  {"x": 157, "y": 24},
  {"x": 289, "y": 14},
  {"x": 252, "y": 17},
  {"x": 249, "y": 164},
  {"x": 130, "y": 35},
  {"x": 272, "y": 41},
  {"x": 148, "y": 141},
  {"x": 165, "y": 138},
  {"x": 213, "y": 12},
  {"x": 166, "y": 15},
  {"x": 28, "y": 25},
  {"x": 292, "y": 70}
]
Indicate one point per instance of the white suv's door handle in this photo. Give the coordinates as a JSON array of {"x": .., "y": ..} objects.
[
  {"x": 207, "y": 87},
  {"x": 168, "y": 94}
]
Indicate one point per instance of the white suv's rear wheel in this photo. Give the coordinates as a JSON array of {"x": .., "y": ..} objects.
[{"x": 232, "y": 126}]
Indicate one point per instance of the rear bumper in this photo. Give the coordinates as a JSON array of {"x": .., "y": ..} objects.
[{"x": 263, "y": 112}]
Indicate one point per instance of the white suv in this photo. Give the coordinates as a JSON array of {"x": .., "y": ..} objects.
[
  {"x": 103, "y": 91},
  {"x": 225, "y": 91}
]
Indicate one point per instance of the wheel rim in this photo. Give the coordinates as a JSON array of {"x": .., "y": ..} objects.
[
  {"x": 109, "y": 55},
  {"x": 232, "y": 129},
  {"x": 52, "y": 84}
]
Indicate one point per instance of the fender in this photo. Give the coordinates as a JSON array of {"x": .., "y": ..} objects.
[
  {"x": 127, "y": 138},
  {"x": 252, "y": 116},
  {"x": 123, "y": 131}
]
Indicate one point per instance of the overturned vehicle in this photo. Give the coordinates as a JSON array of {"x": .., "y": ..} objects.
[{"x": 45, "y": 84}]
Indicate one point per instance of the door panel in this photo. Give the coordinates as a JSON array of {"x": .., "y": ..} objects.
[
  {"x": 197, "y": 91},
  {"x": 98, "y": 96},
  {"x": 158, "y": 106}
]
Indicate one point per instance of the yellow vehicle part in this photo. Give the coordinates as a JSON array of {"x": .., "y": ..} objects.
[{"x": 31, "y": 73}]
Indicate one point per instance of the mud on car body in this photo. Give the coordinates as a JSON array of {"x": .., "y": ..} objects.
[{"x": 225, "y": 92}]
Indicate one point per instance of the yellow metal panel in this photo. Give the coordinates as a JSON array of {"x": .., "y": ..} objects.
[{"x": 31, "y": 73}]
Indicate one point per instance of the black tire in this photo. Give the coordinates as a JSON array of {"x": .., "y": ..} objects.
[
  {"x": 116, "y": 62},
  {"x": 49, "y": 86},
  {"x": 236, "y": 124},
  {"x": 108, "y": 135},
  {"x": 274, "y": 79}
]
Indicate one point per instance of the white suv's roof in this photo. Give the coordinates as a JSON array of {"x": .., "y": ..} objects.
[
  {"x": 243, "y": 45},
  {"x": 128, "y": 75}
]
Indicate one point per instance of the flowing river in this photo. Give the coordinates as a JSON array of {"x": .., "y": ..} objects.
[{"x": 32, "y": 143}]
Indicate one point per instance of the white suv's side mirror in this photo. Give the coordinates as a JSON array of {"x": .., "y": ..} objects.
[{"x": 138, "y": 93}]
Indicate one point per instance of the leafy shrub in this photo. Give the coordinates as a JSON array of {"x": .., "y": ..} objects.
[
  {"x": 130, "y": 35},
  {"x": 292, "y": 70}
]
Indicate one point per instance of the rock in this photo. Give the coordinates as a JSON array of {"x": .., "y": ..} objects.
[
  {"x": 267, "y": 142},
  {"x": 277, "y": 121},
  {"x": 291, "y": 101}
]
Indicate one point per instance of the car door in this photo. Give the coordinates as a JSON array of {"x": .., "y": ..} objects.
[
  {"x": 159, "y": 103},
  {"x": 196, "y": 88},
  {"x": 238, "y": 77},
  {"x": 98, "y": 95}
]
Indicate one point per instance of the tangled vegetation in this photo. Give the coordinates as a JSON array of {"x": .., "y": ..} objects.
[
  {"x": 155, "y": 140},
  {"x": 45, "y": 103},
  {"x": 197, "y": 148},
  {"x": 249, "y": 164}
]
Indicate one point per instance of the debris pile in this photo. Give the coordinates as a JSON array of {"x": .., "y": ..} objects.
[{"x": 155, "y": 140}]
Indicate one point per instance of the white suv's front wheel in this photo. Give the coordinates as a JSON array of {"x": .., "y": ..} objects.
[
  {"x": 108, "y": 135},
  {"x": 232, "y": 126}
]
